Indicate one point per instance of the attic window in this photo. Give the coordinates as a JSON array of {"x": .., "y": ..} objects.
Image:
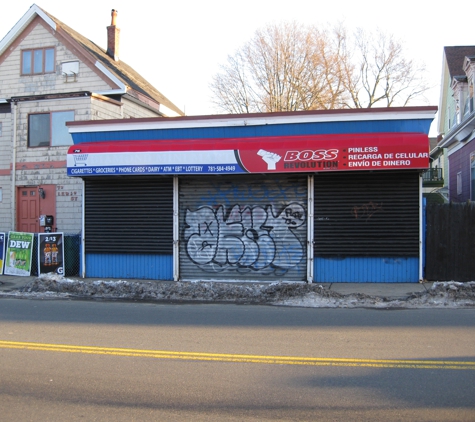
[{"x": 37, "y": 61}]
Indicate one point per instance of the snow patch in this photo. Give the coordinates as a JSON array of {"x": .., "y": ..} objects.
[{"x": 442, "y": 294}]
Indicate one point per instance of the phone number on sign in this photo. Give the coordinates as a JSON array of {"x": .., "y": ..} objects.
[{"x": 221, "y": 168}]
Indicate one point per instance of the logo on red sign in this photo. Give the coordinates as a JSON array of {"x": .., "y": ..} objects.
[{"x": 310, "y": 155}]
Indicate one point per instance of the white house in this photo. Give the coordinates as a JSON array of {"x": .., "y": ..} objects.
[{"x": 49, "y": 75}]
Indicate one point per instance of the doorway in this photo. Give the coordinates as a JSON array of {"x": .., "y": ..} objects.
[{"x": 32, "y": 202}]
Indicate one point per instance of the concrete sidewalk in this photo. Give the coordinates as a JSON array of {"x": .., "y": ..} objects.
[{"x": 10, "y": 283}]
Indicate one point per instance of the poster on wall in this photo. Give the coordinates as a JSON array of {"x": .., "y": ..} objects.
[
  {"x": 2, "y": 251},
  {"x": 19, "y": 251},
  {"x": 50, "y": 253}
]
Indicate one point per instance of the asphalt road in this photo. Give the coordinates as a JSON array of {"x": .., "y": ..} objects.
[{"x": 124, "y": 361}]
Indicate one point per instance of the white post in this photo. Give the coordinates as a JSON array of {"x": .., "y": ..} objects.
[
  {"x": 310, "y": 227},
  {"x": 176, "y": 231}
]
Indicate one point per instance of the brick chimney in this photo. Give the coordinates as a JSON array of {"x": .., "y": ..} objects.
[{"x": 113, "y": 37}]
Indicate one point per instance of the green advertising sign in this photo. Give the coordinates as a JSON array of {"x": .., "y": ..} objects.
[{"x": 19, "y": 252}]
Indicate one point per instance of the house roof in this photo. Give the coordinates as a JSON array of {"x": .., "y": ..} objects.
[
  {"x": 455, "y": 56},
  {"x": 124, "y": 75}
]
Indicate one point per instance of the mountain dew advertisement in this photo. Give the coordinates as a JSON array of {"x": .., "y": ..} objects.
[{"x": 19, "y": 252}]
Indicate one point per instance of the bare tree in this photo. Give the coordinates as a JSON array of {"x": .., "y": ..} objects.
[
  {"x": 381, "y": 75},
  {"x": 289, "y": 67},
  {"x": 232, "y": 89},
  {"x": 283, "y": 68}
]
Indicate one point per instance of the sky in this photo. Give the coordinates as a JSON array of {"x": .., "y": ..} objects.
[{"x": 179, "y": 45}]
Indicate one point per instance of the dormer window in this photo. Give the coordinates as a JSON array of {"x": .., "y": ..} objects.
[{"x": 37, "y": 61}]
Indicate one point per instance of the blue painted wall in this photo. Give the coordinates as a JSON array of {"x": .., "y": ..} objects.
[
  {"x": 326, "y": 270},
  {"x": 147, "y": 267},
  {"x": 320, "y": 128},
  {"x": 366, "y": 270}
]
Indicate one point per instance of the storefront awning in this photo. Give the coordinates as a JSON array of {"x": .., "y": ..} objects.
[{"x": 286, "y": 154}]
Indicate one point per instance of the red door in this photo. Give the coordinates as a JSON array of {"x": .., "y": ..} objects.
[{"x": 28, "y": 210}]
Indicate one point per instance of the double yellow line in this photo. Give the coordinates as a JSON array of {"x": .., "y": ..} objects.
[{"x": 223, "y": 357}]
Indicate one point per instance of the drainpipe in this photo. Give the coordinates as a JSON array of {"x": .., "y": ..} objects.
[{"x": 13, "y": 204}]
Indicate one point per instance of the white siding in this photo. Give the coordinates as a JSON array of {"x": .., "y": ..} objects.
[
  {"x": 5, "y": 172},
  {"x": 69, "y": 204},
  {"x": 5, "y": 141},
  {"x": 133, "y": 110},
  {"x": 5, "y": 209},
  {"x": 46, "y": 165},
  {"x": 102, "y": 110},
  {"x": 13, "y": 84}
]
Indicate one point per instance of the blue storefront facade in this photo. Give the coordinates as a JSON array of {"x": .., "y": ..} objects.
[{"x": 318, "y": 196}]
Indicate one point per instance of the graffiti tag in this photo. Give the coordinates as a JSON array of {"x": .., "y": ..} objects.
[
  {"x": 367, "y": 210},
  {"x": 248, "y": 238}
]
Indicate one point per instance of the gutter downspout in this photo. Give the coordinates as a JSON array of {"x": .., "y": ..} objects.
[{"x": 13, "y": 202}]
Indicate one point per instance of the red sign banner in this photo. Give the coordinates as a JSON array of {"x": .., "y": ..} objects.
[
  {"x": 282, "y": 154},
  {"x": 342, "y": 152}
]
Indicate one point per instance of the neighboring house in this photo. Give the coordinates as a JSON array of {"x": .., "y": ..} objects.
[
  {"x": 49, "y": 75},
  {"x": 433, "y": 178},
  {"x": 455, "y": 152}
]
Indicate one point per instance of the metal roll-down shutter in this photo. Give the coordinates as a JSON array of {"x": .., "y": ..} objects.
[
  {"x": 129, "y": 215},
  {"x": 366, "y": 227},
  {"x": 367, "y": 214},
  {"x": 250, "y": 227}
]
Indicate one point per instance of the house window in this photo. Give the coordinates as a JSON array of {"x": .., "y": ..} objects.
[
  {"x": 49, "y": 129},
  {"x": 37, "y": 61},
  {"x": 459, "y": 183}
]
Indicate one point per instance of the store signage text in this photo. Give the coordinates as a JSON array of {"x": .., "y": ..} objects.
[{"x": 373, "y": 151}]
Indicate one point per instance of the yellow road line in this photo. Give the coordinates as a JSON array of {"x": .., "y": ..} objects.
[{"x": 223, "y": 357}]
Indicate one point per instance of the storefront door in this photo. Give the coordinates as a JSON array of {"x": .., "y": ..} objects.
[{"x": 28, "y": 209}]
